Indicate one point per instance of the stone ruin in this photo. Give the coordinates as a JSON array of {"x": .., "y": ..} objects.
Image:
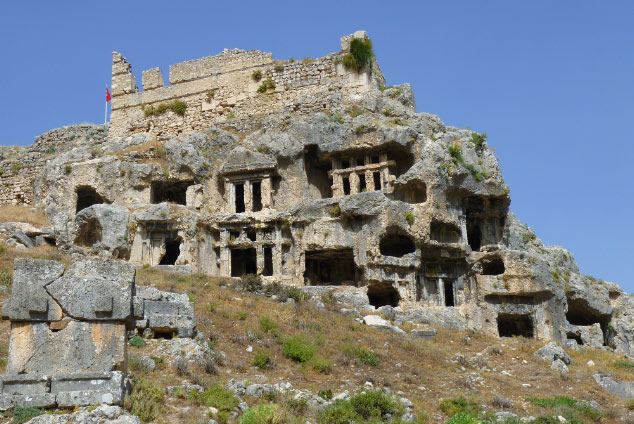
[
  {"x": 68, "y": 344},
  {"x": 324, "y": 179}
]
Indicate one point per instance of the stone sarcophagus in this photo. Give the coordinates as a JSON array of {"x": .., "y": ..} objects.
[{"x": 68, "y": 333}]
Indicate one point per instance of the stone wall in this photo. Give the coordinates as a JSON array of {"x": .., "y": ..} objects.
[
  {"x": 21, "y": 166},
  {"x": 223, "y": 88}
]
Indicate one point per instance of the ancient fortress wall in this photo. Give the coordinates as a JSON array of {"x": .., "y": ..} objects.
[
  {"x": 222, "y": 88},
  {"x": 20, "y": 166}
]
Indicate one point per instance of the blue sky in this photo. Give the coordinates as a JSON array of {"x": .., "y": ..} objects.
[{"x": 552, "y": 83}]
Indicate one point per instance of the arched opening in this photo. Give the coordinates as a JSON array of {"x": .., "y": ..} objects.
[
  {"x": 396, "y": 245},
  {"x": 381, "y": 294},
  {"x": 317, "y": 172},
  {"x": 510, "y": 325},
  {"x": 581, "y": 314},
  {"x": 243, "y": 262},
  {"x": 413, "y": 192},
  {"x": 172, "y": 251},
  {"x": 474, "y": 234},
  {"x": 89, "y": 232},
  {"x": 493, "y": 266},
  {"x": 444, "y": 233},
  {"x": 86, "y": 197}
]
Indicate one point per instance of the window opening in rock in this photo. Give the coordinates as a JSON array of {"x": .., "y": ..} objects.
[
  {"x": 216, "y": 236},
  {"x": 493, "y": 266},
  {"x": 161, "y": 333},
  {"x": 239, "y": 192},
  {"x": 345, "y": 163},
  {"x": 172, "y": 251},
  {"x": 86, "y": 197},
  {"x": 89, "y": 232},
  {"x": 576, "y": 337},
  {"x": 256, "y": 189},
  {"x": 376, "y": 176},
  {"x": 449, "y": 299},
  {"x": 50, "y": 241},
  {"x": 396, "y": 245},
  {"x": 234, "y": 235},
  {"x": 474, "y": 234},
  {"x": 510, "y": 325},
  {"x": 346, "y": 186},
  {"x": 382, "y": 294},
  {"x": 413, "y": 192},
  {"x": 243, "y": 261},
  {"x": 317, "y": 172},
  {"x": 169, "y": 191},
  {"x": 362, "y": 185},
  {"x": 330, "y": 267},
  {"x": 375, "y": 159},
  {"x": 580, "y": 313},
  {"x": 251, "y": 235},
  {"x": 444, "y": 233},
  {"x": 268, "y": 261},
  {"x": 360, "y": 161}
]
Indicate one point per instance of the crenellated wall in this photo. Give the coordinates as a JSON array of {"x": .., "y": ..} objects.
[{"x": 222, "y": 88}]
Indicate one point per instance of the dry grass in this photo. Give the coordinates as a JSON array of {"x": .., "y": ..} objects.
[
  {"x": 426, "y": 371},
  {"x": 14, "y": 213}
]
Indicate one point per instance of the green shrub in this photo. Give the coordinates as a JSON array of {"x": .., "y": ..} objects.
[
  {"x": 251, "y": 282},
  {"x": 268, "y": 325},
  {"x": 5, "y": 277},
  {"x": 362, "y": 355},
  {"x": 478, "y": 139},
  {"x": 568, "y": 407},
  {"x": 334, "y": 211},
  {"x": 325, "y": 394},
  {"x": 67, "y": 168},
  {"x": 409, "y": 217},
  {"x": 267, "y": 85},
  {"x": 341, "y": 412},
  {"x": 137, "y": 341},
  {"x": 210, "y": 95},
  {"x": 462, "y": 418},
  {"x": 360, "y": 55},
  {"x": 241, "y": 315},
  {"x": 178, "y": 107},
  {"x": 373, "y": 404},
  {"x": 216, "y": 396},
  {"x": 624, "y": 364},
  {"x": 298, "y": 406},
  {"x": 296, "y": 294},
  {"x": 261, "y": 414},
  {"x": 336, "y": 117},
  {"x": 279, "y": 68},
  {"x": 355, "y": 111},
  {"x": 262, "y": 359},
  {"x": 455, "y": 150},
  {"x": 455, "y": 406},
  {"x": 298, "y": 349},
  {"x": 145, "y": 401},
  {"x": 256, "y": 75},
  {"x": 15, "y": 167},
  {"x": 323, "y": 365},
  {"x": 22, "y": 415},
  {"x": 630, "y": 405}
]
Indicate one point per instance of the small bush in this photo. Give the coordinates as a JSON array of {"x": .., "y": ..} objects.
[
  {"x": 334, "y": 211},
  {"x": 137, "y": 341},
  {"x": 624, "y": 364},
  {"x": 373, "y": 404},
  {"x": 360, "y": 55},
  {"x": 630, "y": 405},
  {"x": 362, "y": 355},
  {"x": 15, "y": 167},
  {"x": 266, "y": 414},
  {"x": 217, "y": 397},
  {"x": 267, "y": 85},
  {"x": 298, "y": 349},
  {"x": 341, "y": 412},
  {"x": 256, "y": 75},
  {"x": 268, "y": 325},
  {"x": 279, "y": 68},
  {"x": 5, "y": 277},
  {"x": 178, "y": 107},
  {"x": 455, "y": 150},
  {"x": 251, "y": 283},
  {"x": 296, "y": 294},
  {"x": 569, "y": 405},
  {"x": 262, "y": 359},
  {"x": 355, "y": 111},
  {"x": 409, "y": 217},
  {"x": 325, "y": 394},
  {"x": 22, "y": 415},
  {"x": 181, "y": 366},
  {"x": 462, "y": 418},
  {"x": 241, "y": 315},
  {"x": 145, "y": 401},
  {"x": 308, "y": 59},
  {"x": 323, "y": 365},
  {"x": 67, "y": 168},
  {"x": 298, "y": 406},
  {"x": 478, "y": 139},
  {"x": 210, "y": 95},
  {"x": 455, "y": 406}
]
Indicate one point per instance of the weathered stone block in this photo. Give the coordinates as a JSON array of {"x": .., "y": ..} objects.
[
  {"x": 79, "y": 348},
  {"x": 152, "y": 78},
  {"x": 29, "y": 300},
  {"x": 89, "y": 389},
  {"x": 88, "y": 287},
  {"x": 44, "y": 400},
  {"x": 25, "y": 384}
]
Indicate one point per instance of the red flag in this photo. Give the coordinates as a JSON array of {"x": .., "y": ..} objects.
[{"x": 108, "y": 98}]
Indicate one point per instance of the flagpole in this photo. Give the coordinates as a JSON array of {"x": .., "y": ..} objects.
[{"x": 105, "y": 114}]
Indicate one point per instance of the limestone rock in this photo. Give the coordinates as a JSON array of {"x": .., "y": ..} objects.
[
  {"x": 553, "y": 352},
  {"x": 103, "y": 228}
]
